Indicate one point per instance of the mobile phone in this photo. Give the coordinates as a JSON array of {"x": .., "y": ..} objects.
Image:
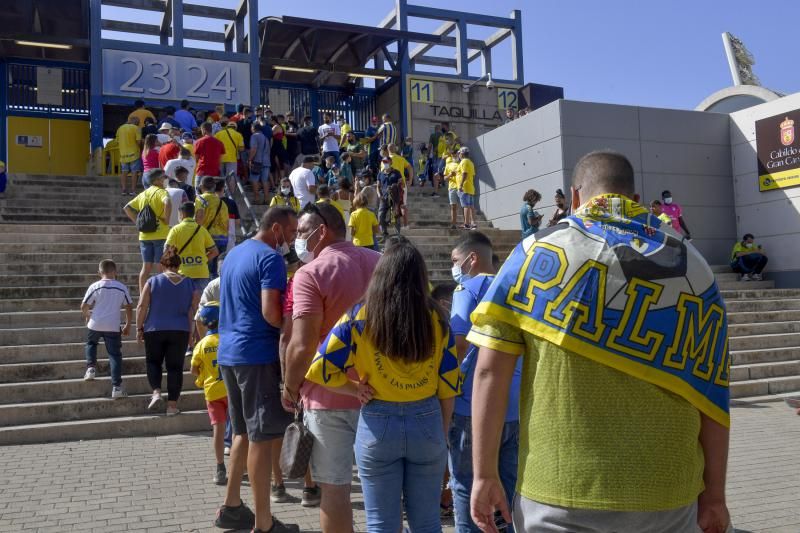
[{"x": 500, "y": 522}]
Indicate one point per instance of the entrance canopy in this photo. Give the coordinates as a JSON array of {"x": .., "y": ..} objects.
[
  {"x": 46, "y": 29},
  {"x": 315, "y": 52}
]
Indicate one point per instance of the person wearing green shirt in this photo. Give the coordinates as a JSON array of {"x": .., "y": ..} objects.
[{"x": 748, "y": 258}]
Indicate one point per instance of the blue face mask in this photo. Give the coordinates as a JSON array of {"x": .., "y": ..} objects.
[{"x": 458, "y": 275}]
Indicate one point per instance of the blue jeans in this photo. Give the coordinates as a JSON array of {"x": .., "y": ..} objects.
[
  {"x": 333, "y": 154},
  {"x": 113, "y": 342},
  {"x": 401, "y": 453},
  {"x": 749, "y": 264},
  {"x": 222, "y": 244},
  {"x": 461, "y": 468}
]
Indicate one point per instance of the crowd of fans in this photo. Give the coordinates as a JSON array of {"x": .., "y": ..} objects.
[{"x": 306, "y": 317}]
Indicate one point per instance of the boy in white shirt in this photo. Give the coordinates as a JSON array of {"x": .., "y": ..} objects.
[{"x": 100, "y": 308}]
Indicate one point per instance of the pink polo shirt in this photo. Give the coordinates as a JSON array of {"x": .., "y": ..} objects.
[
  {"x": 674, "y": 212},
  {"x": 329, "y": 286}
]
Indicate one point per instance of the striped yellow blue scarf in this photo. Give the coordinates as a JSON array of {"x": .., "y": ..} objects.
[{"x": 612, "y": 284}]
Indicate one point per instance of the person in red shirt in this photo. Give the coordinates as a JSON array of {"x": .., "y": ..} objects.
[
  {"x": 208, "y": 152},
  {"x": 168, "y": 152}
]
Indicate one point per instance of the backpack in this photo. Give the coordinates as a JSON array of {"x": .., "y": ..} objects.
[{"x": 146, "y": 220}]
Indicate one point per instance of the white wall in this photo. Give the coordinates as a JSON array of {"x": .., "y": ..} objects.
[
  {"x": 687, "y": 152},
  {"x": 772, "y": 216}
]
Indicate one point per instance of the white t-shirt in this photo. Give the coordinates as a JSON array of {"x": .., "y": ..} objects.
[
  {"x": 329, "y": 144},
  {"x": 106, "y": 297},
  {"x": 210, "y": 294},
  {"x": 176, "y": 196},
  {"x": 173, "y": 164},
  {"x": 302, "y": 178}
]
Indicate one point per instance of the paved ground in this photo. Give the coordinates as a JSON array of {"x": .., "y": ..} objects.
[{"x": 162, "y": 484}]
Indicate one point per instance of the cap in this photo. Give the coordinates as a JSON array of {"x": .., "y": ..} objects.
[
  {"x": 165, "y": 126},
  {"x": 209, "y": 314},
  {"x": 187, "y": 136}
]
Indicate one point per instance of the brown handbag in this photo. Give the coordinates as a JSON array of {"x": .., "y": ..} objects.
[{"x": 296, "y": 449}]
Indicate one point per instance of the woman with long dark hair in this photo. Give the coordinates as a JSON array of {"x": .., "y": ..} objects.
[{"x": 400, "y": 346}]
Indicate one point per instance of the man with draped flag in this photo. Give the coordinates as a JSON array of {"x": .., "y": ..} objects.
[{"x": 624, "y": 419}]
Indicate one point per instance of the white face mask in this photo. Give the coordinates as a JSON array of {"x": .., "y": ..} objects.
[
  {"x": 458, "y": 275},
  {"x": 301, "y": 248},
  {"x": 668, "y": 200},
  {"x": 749, "y": 244},
  {"x": 387, "y": 166},
  {"x": 283, "y": 249},
  {"x": 286, "y": 191},
  {"x": 362, "y": 183}
]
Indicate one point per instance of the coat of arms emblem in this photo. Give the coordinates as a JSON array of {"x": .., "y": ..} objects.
[{"x": 787, "y": 132}]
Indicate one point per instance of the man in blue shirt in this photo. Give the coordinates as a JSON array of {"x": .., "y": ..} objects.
[
  {"x": 249, "y": 329},
  {"x": 390, "y": 193},
  {"x": 374, "y": 145},
  {"x": 184, "y": 117},
  {"x": 474, "y": 272}
]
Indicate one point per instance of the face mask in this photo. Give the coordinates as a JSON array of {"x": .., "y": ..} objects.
[
  {"x": 458, "y": 275},
  {"x": 387, "y": 166},
  {"x": 668, "y": 200},
  {"x": 283, "y": 249},
  {"x": 361, "y": 183},
  {"x": 301, "y": 248},
  {"x": 285, "y": 191},
  {"x": 749, "y": 244}
]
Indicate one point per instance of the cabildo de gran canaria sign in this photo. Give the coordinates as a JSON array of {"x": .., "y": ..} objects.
[{"x": 778, "y": 151}]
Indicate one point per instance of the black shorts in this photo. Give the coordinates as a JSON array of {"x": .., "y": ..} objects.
[{"x": 254, "y": 401}]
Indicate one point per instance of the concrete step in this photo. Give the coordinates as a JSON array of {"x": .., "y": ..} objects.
[
  {"x": 44, "y": 335},
  {"x": 55, "y": 370},
  {"x": 766, "y": 398},
  {"x": 761, "y": 387},
  {"x": 60, "y": 291},
  {"x": 72, "y": 389},
  {"x": 745, "y": 285},
  {"x": 90, "y": 201},
  {"x": 111, "y": 239},
  {"x": 755, "y": 342},
  {"x": 726, "y": 276},
  {"x": 105, "y": 428},
  {"x": 87, "y": 229},
  {"x": 65, "y": 351},
  {"x": 101, "y": 248},
  {"x": 749, "y": 292},
  {"x": 64, "y": 182},
  {"x": 42, "y": 319},
  {"x": 43, "y": 280},
  {"x": 39, "y": 217},
  {"x": 762, "y": 306},
  {"x": 64, "y": 268},
  {"x": 763, "y": 316},
  {"x": 80, "y": 255},
  {"x": 90, "y": 408},
  {"x": 765, "y": 328},
  {"x": 773, "y": 355},
  {"x": 765, "y": 370},
  {"x": 13, "y": 305}
]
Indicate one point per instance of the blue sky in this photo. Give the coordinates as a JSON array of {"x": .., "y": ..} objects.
[{"x": 665, "y": 53}]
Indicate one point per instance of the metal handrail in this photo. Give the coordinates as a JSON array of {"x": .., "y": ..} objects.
[{"x": 240, "y": 188}]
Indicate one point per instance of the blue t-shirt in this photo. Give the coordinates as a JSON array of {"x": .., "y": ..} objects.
[
  {"x": 245, "y": 338},
  {"x": 185, "y": 119},
  {"x": 170, "y": 304},
  {"x": 466, "y": 298},
  {"x": 374, "y": 146},
  {"x": 524, "y": 212}
]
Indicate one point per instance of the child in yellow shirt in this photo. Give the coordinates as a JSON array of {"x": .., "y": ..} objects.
[
  {"x": 363, "y": 223},
  {"x": 204, "y": 366}
]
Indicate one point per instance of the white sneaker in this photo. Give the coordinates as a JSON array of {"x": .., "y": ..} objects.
[
  {"x": 155, "y": 401},
  {"x": 757, "y": 277},
  {"x": 746, "y": 277},
  {"x": 226, "y": 451},
  {"x": 90, "y": 374},
  {"x": 117, "y": 392},
  {"x": 172, "y": 411}
]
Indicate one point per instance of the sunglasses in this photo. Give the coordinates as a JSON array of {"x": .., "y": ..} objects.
[{"x": 311, "y": 208}]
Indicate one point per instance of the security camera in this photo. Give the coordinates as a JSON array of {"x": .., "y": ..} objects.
[{"x": 490, "y": 83}]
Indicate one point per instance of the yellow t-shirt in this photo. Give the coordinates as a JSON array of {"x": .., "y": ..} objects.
[
  {"x": 280, "y": 200},
  {"x": 234, "y": 143},
  {"x": 190, "y": 147},
  {"x": 156, "y": 197},
  {"x": 393, "y": 381},
  {"x": 665, "y": 219},
  {"x": 334, "y": 203},
  {"x": 441, "y": 147},
  {"x": 194, "y": 262},
  {"x": 209, "y": 203},
  {"x": 593, "y": 437},
  {"x": 450, "y": 171},
  {"x": 128, "y": 139},
  {"x": 363, "y": 221},
  {"x": 205, "y": 358},
  {"x": 468, "y": 183},
  {"x": 400, "y": 164},
  {"x": 141, "y": 113}
]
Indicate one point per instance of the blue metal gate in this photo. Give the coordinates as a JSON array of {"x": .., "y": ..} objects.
[
  {"x": 357, "y": 107},
  {"x": 22, "y": 88}
]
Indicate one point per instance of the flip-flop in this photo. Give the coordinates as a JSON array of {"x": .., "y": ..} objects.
[{"x": 794, "y": 403}]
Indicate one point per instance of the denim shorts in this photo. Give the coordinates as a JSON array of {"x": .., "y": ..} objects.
[
  {"x": 152, "y": 250},
  {"x": 263, "y": 176},
  {"x": 133, "y": 166},
  {"x": 467, "y": 200},
  {"x": 452, "y": 195},
  {"x": 334, "y": 433}
]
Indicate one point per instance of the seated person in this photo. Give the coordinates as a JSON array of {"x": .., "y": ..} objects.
[{"x": 748, "y": 258}]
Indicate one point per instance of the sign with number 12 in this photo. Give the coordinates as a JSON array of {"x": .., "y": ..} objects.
[{"x": 143, "y": 75}]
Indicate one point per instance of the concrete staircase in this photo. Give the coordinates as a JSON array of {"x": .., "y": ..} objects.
[{"x": 55, "y": 230}]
